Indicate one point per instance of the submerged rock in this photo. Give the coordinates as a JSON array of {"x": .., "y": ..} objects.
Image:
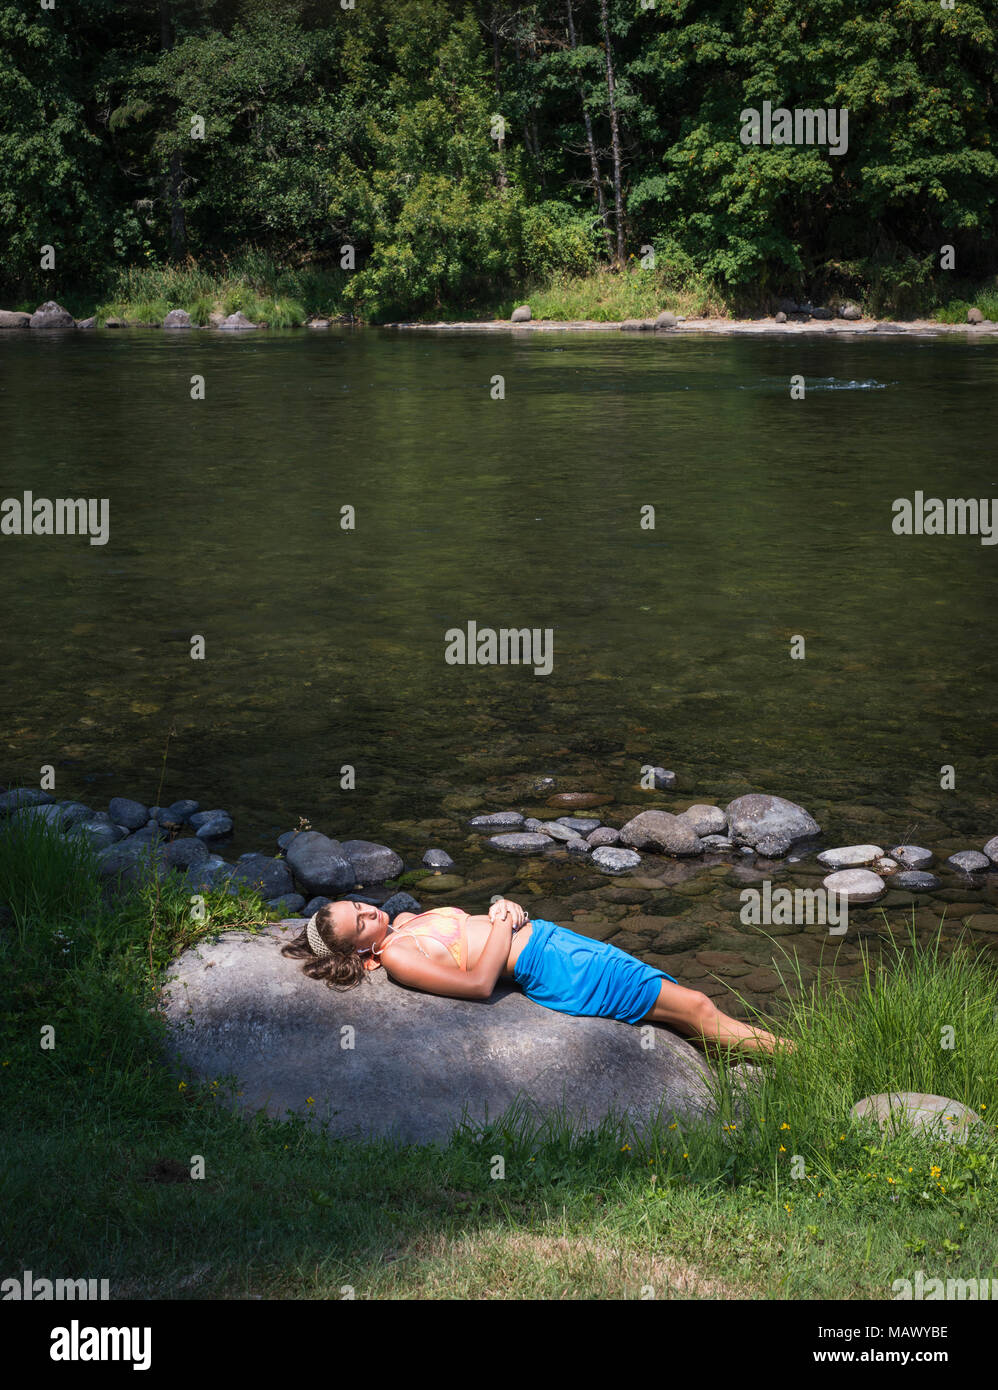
[
  {"x": 255, "y": 1014},
  {"x": 915, "y": 881}
]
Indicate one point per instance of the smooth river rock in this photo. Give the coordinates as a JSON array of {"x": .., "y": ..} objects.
[
  {"x": 850, "y": 857},
  {"x": 897, "y": 1110},
  {"x": 769, "y": 824},
  {"x": 662, "y": 831},
  {"x": 991, "y": 849},
  {"x": 856, "y": 885},
  {"x": 912, "y": 856},
  {"x": 526, "y": 842},
  {"x": 497, "y": 820},
  {"x": 916, "y": 881},
  {"x": 319, "y": 864},
  {"x": 372, "y": 863},
  {"x": 419, "y": 1062},
  {"x": 705, "y": 820},
  {"x": 612, "y": 860},
  {"x": 968, "y": 861}
]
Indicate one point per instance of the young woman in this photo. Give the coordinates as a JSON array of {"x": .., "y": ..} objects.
[{"x": 446, "y": 951}]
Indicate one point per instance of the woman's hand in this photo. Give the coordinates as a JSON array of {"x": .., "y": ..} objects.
[{"x": 504, "y": 908}]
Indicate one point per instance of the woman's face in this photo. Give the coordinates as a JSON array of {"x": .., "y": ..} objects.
[{"x": 359, "y": 924}]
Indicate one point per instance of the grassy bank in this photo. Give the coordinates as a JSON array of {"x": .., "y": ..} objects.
[
  {"x": 99, "y": 1134},
  {"x": 285, "y": 297}
]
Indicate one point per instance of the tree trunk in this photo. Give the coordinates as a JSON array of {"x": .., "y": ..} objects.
[
  {"x": 618, "y": 198},
  {"x": 591, "y": 143},
  {"x": 174, "y": 177}
]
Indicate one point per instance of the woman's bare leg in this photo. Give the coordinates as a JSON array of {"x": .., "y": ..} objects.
[{"x": 693, "y": 1013}]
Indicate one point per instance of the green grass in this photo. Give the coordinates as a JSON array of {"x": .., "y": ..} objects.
[
  {"x": 251, "y": 283},
  {"x": 956, "y": 310},
  {"x": 98, "y": 1135}
]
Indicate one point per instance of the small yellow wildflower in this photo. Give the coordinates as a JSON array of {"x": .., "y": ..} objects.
[
  {"x": 934, "y": 1171},
  {"x": 309, "y": 1100},
  {"x": 625, "y": 1148},
  {"x": 784, "y": 1125},
  {"x": 182, "y": 1086},
  {"x": 783, "y": 1149}
]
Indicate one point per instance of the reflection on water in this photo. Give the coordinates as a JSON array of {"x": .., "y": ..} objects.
[{"x": 325, "y": 647}]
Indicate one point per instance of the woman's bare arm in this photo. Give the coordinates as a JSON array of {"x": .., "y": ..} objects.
[{"x": 411, "y": 968}]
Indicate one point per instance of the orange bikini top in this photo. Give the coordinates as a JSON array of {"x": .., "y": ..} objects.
[{"x": 453, "y": 936}]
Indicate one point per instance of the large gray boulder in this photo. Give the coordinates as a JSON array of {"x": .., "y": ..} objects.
[
  {"x": 662, "y": 831},
  {"x": 769, "y": 824},
  {"x": 178, "y": 318},
  {"x": 320, "y": 864},
  {"x": 521, "y": 314},
  {"x": 51, "y": 315},
  {"x": 382, "y": 1060},
  {"x": 14, "y": 318}
]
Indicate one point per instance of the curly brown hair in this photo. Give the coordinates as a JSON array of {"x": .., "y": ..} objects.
[{"x": 342, "y": 970}]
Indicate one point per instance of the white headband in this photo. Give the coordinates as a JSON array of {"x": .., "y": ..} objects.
[{"x": 319, "y": 947}]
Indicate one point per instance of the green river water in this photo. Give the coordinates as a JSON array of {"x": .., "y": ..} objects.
[{"x": 325, "y": 646}]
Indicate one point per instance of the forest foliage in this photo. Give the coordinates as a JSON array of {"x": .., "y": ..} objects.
[{"x": 466, "y": 147}]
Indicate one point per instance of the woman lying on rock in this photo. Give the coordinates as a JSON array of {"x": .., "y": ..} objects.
[{"x": 447, "y": 951}]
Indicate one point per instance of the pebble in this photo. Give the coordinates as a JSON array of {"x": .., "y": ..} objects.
[
  {"x": 604, "y": 835},
  {"x": 581, "y": 824},
  {"x": 496, "y": 819}
]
